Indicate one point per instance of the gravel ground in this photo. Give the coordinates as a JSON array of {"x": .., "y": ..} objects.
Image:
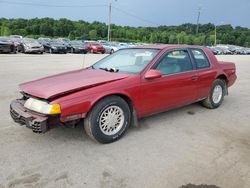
[{"x": 191, "y": 145}]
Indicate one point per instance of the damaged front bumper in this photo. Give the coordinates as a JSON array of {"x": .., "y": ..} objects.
[{"x": 37, "y": 122}]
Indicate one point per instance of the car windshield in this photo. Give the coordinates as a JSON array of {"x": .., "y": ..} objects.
[
  {"x": 76, "y": 43},
  {"x": 96, "y": 44},
  {"x": 105, "y": 44},
  {"x": 131, "y": 61},
  {"x": 65, "y": 40},
  {"x": 5, "y": 39},
  {"x": 56, "y": 43},
  {"x": 29, "y": 41},
  {"x": 44, "y": 40}
]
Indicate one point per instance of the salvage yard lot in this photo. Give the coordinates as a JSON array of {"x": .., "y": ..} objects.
[{"x": 187, "y": 145}]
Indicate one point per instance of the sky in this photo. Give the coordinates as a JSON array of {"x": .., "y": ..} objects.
[{"x": 133, "y": 12}]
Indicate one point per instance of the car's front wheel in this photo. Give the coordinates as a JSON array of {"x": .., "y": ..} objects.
[
  {"x": 108, "y": 120},
  {"x": 216, "y": 95}
]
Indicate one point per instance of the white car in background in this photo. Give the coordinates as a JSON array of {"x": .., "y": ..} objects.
[{"x": 110, "y": 47}]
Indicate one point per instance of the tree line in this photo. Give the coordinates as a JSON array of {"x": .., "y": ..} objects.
[{"x": 182, "y": 34}]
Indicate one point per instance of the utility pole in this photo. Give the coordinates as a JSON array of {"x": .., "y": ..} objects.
[
  {"x": 215, "y": 35},
  {"x": 109, "y": 24},
  {"x": 198, "y": 21}
]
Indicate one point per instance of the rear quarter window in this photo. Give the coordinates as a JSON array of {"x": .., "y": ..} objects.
[{"x": 200, "y": 58}]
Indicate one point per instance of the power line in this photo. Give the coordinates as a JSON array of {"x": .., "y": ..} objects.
[
  {"x": 77, "y": 6},
  {"x": 50, "y": 5},
  {"x": 134, "y": 16}
]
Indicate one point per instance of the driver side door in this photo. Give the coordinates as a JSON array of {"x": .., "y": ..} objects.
[{"x": 176, "y": 87}]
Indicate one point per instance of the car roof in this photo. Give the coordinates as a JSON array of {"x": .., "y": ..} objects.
[{"x": 167, "y": 46}]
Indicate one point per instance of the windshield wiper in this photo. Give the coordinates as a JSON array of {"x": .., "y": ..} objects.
[{"x": 110, "y": 69}]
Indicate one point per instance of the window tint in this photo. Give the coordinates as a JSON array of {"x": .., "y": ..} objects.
[
  {"x": 200, "y": 59},
  {"x": 175, "y": 62}
]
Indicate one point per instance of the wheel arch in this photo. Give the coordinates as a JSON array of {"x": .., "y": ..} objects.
[
  {"x": 223, "y": 77},
  {"x": 125, "y": 97}
]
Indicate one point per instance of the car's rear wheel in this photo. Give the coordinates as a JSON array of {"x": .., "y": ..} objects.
[
  {"x": 216, "y": 95},
  {"x": 108, "y": 120}
]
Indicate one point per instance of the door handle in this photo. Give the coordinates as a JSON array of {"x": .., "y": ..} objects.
[{"x": 194, "y": 77}]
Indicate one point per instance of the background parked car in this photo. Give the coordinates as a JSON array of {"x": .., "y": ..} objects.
[
  {"x": 78, "y": 46},
  {"x": 241, "y": 51},
  {"x": 17, "y": 43},
  {"x": 110, "y": 47},
  {"x": 56, "y": 46},
  {"x": 45, "y": 42},
  {"x": 123, "y": 45},
  {"x": 6, "y": 45},
  {"x": 103, "y": 46},
  {"x": 66, "y": 42},
  {"x": 29, "y": 45},
  {"x": 95, "y": 47},
  {"x": 16, "y": 36}
]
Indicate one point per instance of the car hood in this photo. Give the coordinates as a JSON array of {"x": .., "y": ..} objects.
[{"x": 54, "y": 86}]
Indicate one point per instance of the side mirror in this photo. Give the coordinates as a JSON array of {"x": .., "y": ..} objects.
[{"x": 153, "y": 74}]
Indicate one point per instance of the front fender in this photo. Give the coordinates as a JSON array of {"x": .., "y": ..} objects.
[{"x": 77, "y": 105}]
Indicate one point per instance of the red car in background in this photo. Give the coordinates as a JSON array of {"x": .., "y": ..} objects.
[
  {"x": 117, "y": 90},
  {"x": 95, "y": 47}
]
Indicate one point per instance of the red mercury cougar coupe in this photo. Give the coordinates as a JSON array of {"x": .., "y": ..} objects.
[{"x": 123, "y": 87}]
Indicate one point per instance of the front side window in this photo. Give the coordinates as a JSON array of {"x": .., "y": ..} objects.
[
  {"x": 200, "y": 59},
  {"x": 175, "y": 62},
  {"x": 128, "y": 60}
]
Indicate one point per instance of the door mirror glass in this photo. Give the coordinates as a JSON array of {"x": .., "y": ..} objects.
[{"x": 153, "y": 74}]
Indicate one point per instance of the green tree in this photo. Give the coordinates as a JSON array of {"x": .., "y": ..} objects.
[
  {"x": 92, "y": 34},
  {"x": 172, "y": 39},
  {"x": 5, "y": 31},
  {"x": 184, "y": 34}
]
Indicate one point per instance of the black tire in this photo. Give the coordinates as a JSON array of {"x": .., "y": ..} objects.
[
  {"x": 92, "y": 121},
  {"x": 14, "y": 50},
  {"x": 112, "y": 51},
  {"x": 209, "y": 102}
]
